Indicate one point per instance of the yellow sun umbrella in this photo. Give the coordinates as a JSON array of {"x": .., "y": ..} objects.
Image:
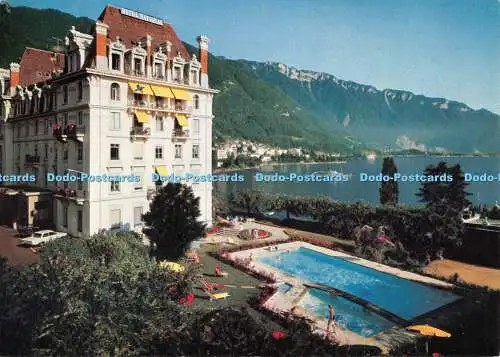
[
  {"x": 427, "y": 330},
  {"x": 176, "y": 267}
]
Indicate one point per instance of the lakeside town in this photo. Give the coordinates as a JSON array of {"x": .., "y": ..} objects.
[{"x": 129, "y": 268}]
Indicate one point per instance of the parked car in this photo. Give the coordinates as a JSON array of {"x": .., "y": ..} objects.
[
  {"x": 41, "y": 237},
  {"x": 27, "y": 231}
]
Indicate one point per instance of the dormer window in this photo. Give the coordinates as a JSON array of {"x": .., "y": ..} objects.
[
  {"x": 138, "y": 66},
  {"x": 194, "y": 77},
  {"x": 115, "y": 62},
  {"x": 158, "y": 70},
  {"x": 177, "y": 74},
  {"x": 80, "y": 90}
]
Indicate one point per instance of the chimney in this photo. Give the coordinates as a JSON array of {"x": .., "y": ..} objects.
[
  {"x": 203, "y": 44},
  {"x": 101, "y": 46},
  {"x": 15, "y": 79}
]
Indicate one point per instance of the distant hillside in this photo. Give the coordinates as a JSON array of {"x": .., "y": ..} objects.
[
  {"x": 27, "y": 27},
  {"x": 275, "y": 104},
  {"x": 386, "y": 118}
]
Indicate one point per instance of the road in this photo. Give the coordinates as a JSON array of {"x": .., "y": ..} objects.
[{"x": 9, "y": 248}]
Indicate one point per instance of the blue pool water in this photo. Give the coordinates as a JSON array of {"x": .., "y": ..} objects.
[
  {"x": 348, "y": 314},
  {"x": 405, "y": 298}
]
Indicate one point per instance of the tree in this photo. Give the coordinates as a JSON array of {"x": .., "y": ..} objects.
[
  {"x": 389, "y": 190},
  {"x": 92, "y": 297},
  {"x": 173, "y": 220},
  {"x": 249, "y": 200},
  {"x": 449, "y": 188}
]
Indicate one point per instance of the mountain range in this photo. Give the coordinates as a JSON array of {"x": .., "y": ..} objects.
[{"x": 284, "y": 106}]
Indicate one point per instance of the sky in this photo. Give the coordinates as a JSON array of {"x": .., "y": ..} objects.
[{"x": 439, "y": 48}]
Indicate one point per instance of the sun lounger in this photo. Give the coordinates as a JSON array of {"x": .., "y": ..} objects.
[{"x": 219, "y": 296}]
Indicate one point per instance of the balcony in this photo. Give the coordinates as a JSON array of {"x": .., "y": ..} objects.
[
  {"x": 32, "y": 160},
  {"x": 77, "y": 196},
  {"x": 59, "y": 134},
  {"x": 75, "y": 132},
  {"x": 180, "y": 134},
  {"x": 140, "y": 133}
]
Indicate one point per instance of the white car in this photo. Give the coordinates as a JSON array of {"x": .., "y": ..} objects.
[{"x": 41, "y": 237}]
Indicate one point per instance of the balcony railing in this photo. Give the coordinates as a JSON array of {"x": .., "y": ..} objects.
[
  {"x": 32, "y": 159},
  {"x": 66, "y": 193},
  {"x": 58, "y": 133},
  {"x": 74, "y": 132},
  {"x": 138, "y": 132},
  {"x": 180, "y": 133}
]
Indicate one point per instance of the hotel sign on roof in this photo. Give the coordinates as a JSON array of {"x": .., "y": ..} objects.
[{"x": 140, "y": 16}]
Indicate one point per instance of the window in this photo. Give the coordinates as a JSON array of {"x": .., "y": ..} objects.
[
  {"x": 80, "y": 90},
  {"x": 177, "y": 74},
  {"x": 158, "y": 71},
  {"x": 114, "y": 152},
  {"x": 46, "y": 152},
  {"x": 115, "y": 186},
  {"x": 65, "y": 119},
  {"x": 79, "y": 120},
  {"x": 196, "y": 100},
  {"x": 36, "y": 127},
  {"x": 194, "y": 77},
  {"x": 159, "y": 124},
  {"x": 140, "y": 173},
  {"x": 65, "y": 217},
  {"x": 137, "y": 216},
  {"x": 46, "y": 127},
  {"x": 115, "y": 91},
  {"x": 18, "y": 151},
  {"x": 196, "y": 151},
  {"x": 115, "y": 121},
  {"x": 178, "y": 151},
  {"x": 115, "y": 218},
  {"x": 115, "y": 62},
  {"x": 138, "y": 151},
  {"x": 79, "y": 152},
  {"x": 196, "y": 126},
  {"x": 65, "y": 95},
  {"x": 65, "y": 154},
  {"x": 159, "y": 152},
  {"x": 19, "y": 131},
  {"x": 79, "y": 220},
  {"x": 79, "y": 185},
  {"x": 27, "y": 130},
  {"x": 137, "y": 66}
]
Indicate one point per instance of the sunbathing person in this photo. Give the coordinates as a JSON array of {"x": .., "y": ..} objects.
[{"x": 219, "y": 271}]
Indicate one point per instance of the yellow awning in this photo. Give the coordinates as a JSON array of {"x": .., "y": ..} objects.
[
  {"x": 182, "y": 120},
  {"x": 161, "y": 170},
  {"x": 164, "y": 92},
  {"x": 142, "y": 117},
  {"x": 140, "y": 88},
  {"x": 181, "y": 94}
]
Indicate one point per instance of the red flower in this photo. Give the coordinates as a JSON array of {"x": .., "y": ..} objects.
[{"x": 278, "y": 335}]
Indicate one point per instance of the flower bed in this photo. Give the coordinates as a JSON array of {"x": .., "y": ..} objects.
[{"x": 252, "y": 234}]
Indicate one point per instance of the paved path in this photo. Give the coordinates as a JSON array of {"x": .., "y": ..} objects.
[
  {"x": 472, "y": 274},
  {"x": 9, "y": 248}
]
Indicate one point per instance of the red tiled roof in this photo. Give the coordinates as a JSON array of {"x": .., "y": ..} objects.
[
  {"x": 130, "y": 29},
  {"x": 37, "y": 65}
]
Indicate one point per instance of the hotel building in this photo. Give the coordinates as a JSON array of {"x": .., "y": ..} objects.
[{"x": 128, "y": 98}]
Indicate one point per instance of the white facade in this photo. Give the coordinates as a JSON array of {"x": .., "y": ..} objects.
[{"x": 108, "y": 137}]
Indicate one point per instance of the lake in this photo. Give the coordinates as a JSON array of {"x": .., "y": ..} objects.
[{"x": 354, "y": 189}]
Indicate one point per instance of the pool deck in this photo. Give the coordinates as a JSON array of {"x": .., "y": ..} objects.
[{"x": 282, "y": 303}]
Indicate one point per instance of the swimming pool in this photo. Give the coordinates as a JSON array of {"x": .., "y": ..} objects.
[
  {"x": 404, "y": 298},
  {"x": 348, "y": 314}
]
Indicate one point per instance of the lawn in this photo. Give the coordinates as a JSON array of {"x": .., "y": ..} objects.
[{"x": 235, "y": 279}]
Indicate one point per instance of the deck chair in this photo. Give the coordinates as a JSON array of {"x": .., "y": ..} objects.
[{"x": 219, "y": 296}]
